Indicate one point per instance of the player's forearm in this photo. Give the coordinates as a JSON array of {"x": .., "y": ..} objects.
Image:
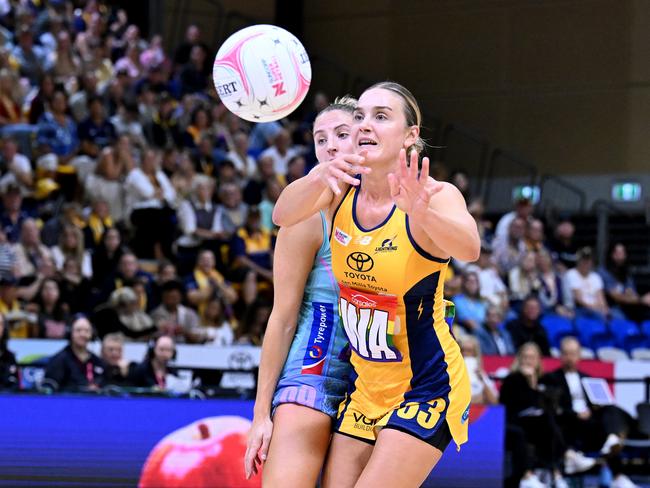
[
  {"x": 456, "y": 235},
  {"x": 299, "y": 200},
  {"x": 275, "y": 349}
]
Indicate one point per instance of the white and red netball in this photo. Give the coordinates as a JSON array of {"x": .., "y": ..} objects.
[{"x": 262, "y": 73}]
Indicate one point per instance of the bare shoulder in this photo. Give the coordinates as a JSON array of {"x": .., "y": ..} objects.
[{"x": 448, "y": 195}]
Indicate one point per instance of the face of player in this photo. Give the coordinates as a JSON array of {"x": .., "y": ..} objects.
[
  {"x": 380, "y": 126},
  {"x": 332, "y": 135}
]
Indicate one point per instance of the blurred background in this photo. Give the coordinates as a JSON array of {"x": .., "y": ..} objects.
[{"x": 136, "y": 241}]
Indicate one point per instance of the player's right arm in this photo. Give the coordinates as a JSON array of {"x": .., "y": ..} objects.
[
  {"x": 295, "y": 250},
  {"x": 317, "y": 190}
]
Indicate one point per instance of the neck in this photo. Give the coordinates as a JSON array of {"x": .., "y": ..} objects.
[
  {"x": 157, "y": 365},
  {"x": 80, "y": 351},
  {"x": 375, "y": 184}
]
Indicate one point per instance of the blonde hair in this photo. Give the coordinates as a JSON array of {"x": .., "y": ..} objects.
[
  {"x": 411, "y": 110},
  {"x": 516, "y": 364},
  {"x": 346, "y": 103}
]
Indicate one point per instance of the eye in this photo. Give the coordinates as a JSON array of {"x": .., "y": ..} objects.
[
  {"x": 381, "y": 116},
  {"x": 343, "y": 135},
  {"x": 321, "y": 140},
  {"x": 357, "y": 116}
]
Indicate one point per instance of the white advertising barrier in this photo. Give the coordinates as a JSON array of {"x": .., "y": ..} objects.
[
  {"x": 628, "y": 395},
  {"x": 188, "y": 355}
]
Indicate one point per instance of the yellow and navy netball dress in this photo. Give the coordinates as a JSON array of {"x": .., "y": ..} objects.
[{"x": 409, "y": 373}]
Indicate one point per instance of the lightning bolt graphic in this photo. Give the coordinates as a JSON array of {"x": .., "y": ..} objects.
[{"x": 420, "y": 309}]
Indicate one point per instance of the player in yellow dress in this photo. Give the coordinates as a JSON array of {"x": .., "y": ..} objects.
[{"x": 393, "y": 231}]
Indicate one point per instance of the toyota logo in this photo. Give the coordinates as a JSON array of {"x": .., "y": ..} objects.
[
  {"x": 240, "y": 360},
  {"x": 360, "y": 261}
]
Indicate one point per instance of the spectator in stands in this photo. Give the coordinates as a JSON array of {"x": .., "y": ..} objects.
[
  {"x": 127, "y": 273},
  {"x": 183, "y": 177},
  {"x": 8, "y": 366},
  {"x": 206, "y": 283},
  {"x": 528, "y": 328},
  {"x": 95, "y": 132},
  {"x": 30, "y": 58},
  {"x": 184, "y": 50},
  {"x": 234, "y": 209},
  {"x": 295, "y": 168},
  {"x": 57, "y": 132},
  {"x": 563, "y": 247},
  {"x": 492, "y": 288},
  {"x": 471, "y": 309},
  {"x": 162, "y": 130},
  {"x": 252, "y": 248},
  {"x": 30, "y": 252},
  {"x": 534, "y": 237},
  {"x": 483, "y": 390},
  {"x": 265, "y": 173},
  {"x": 523, "y": 210},
  {"x": 97, "y": 222},
  {"x": 52, "y": 311},
  {"x": 16, "y": 168},
  {"x": 509, "y": 251},
  {"x": 200, "y": 126},
  {"x": 21, "y": 325},
  {"x": 127, "y": 122},
  {"x": 10, "y": 110},
  {"x": 76, "y": 367},
  {"x": 585, "y": 287},
  {"x": 193, "y": 77},
  {"x": 75, "y": 288},
  {"x": 88, "y": 89},
  {"x": 7, "y": 257},
  {"x": 107, "y": 255},
  {"x": 153, "y": 371},
  {"x": 586, "y": 426},
  {"x": 13, "y": 215},
  {"x": 528, "y": 410},
  {"x": 227, "y": 173},
  {"x": 66, "y": 65},
  {"x": 270, "y": 195},
  {"x": 166, "y": 272},
  {"x": 71, "y": 245},
  {"x": 219, "y": 328},
  {"x": 69, "y": 215},
  {"x": 42, "y": 98},
  {"x": 150, "y": 196},
  {"x": 205, "y": 162},
  {"x": 123, "y": 314},
  {"x": 551, "y": 292},
  {"x": 281, "y": 152},
  {"x": 494, "y": 339},
  {"x": 476, "y": 209},
  {"x": 620, "y": 289},
  {"x": 130, "y": 62},
  {"x": 257, "y": 316},
  {"x": 174, "y": 319},
  {"x": 106, "y": 182},
  {"x": 117, "y": 368},
  {"x": 244, "y": 162},
  {"x": 200, "y": 221},
  {"x": 523, "y": 279}
]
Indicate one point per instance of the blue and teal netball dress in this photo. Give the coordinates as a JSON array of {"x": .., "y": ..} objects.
[{"x": 317, "y": 368}]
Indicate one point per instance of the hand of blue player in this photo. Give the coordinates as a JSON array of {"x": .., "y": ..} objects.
[
  {"x": 342, "y": 170},
  {"x": 257, "y": 447},
  {"x": 412, "y": 192}
]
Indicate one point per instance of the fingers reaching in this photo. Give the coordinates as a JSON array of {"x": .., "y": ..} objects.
[{"x": 424, "y": 172}]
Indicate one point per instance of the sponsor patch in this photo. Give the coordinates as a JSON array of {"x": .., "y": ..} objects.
[
  {"x": 319, "y": 338},
  {"x": 341, "y": 237}
]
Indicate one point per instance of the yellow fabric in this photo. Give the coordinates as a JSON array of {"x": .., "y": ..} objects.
[
  {"x": 18, "y": 330},
  {"x": 203, "y": 281},
  {"x": 370, "y": 265},
  {"x": 98, "y": 226}
]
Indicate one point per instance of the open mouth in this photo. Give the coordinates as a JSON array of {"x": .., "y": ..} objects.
[{"x": 365, "y": 142}]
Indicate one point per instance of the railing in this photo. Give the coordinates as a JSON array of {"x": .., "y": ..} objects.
[
  {"x": 556, "y": 192},
  {"x": 507, "y": 170}
]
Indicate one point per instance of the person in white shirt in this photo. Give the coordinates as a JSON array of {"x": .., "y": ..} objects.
[
  {"x": 281, "y": 151},
  {"x": 523, "y": 209},
  {"x": 585, "y": 287},
  {"x": 18, "y": 170},
  {"x": 244, "y": 162},
  {"x": 149, "y": 199}
]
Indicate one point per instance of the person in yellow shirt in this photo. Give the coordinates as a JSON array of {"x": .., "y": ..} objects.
[{"x": 393, "y": 232}]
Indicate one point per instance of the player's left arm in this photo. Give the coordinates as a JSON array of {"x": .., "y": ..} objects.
[{"x": 437, "y": 211}]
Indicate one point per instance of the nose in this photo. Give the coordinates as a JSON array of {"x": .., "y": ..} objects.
[{"x": 331, "y": 148}]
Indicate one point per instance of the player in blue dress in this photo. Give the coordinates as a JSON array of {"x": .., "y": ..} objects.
[{"x": 304, "y": 370}]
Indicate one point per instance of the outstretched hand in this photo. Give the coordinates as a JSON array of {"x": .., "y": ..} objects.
[
  {"x": 412, "y": 192},
  {"x": 342, "y": 169}
]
